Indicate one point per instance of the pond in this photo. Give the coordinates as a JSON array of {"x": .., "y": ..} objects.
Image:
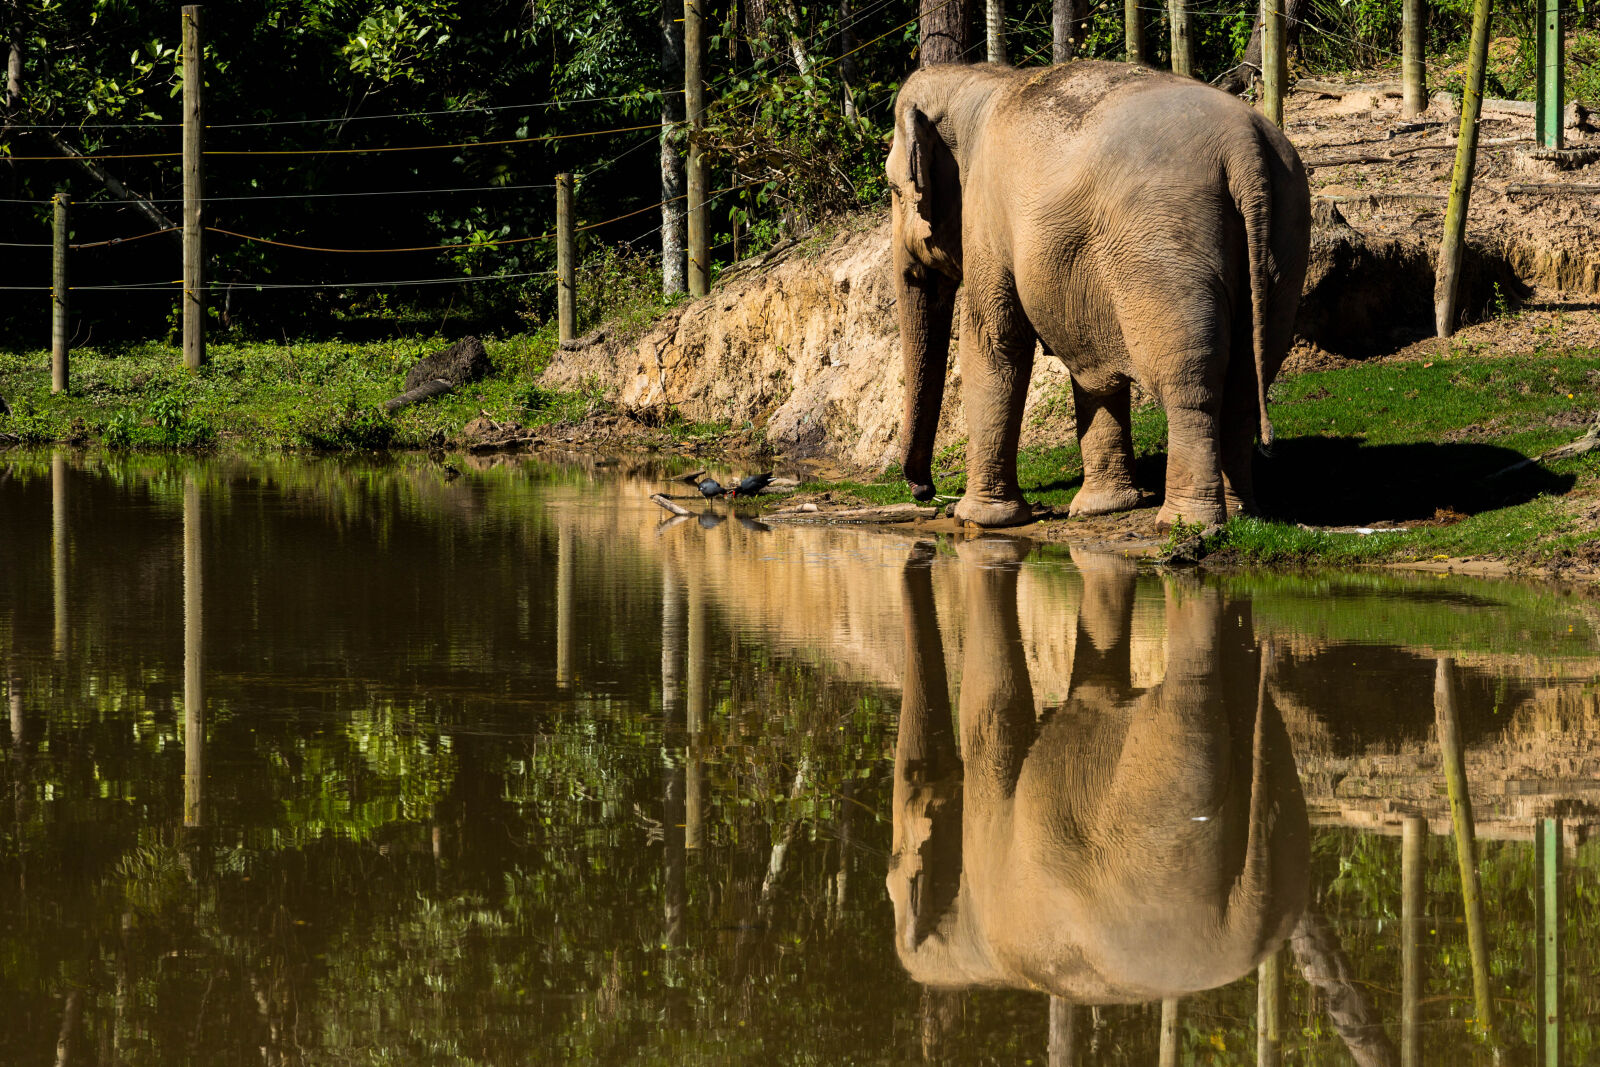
[{"x": 341, "y": 761}]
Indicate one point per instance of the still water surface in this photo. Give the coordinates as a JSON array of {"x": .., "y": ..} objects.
[{"x": 317, "y": 762}]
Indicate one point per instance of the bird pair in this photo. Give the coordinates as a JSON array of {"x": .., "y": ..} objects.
[{"x": 750, "y": 486}]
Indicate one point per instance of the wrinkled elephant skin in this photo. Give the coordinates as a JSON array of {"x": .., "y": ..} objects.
[{"x": 1140, "y": 226}]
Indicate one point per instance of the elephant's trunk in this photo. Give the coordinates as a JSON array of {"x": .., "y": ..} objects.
[{"x": 927, "y": 305}]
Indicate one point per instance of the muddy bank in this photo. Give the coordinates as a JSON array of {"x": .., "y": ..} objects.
[{"x": 801, "y": 347}]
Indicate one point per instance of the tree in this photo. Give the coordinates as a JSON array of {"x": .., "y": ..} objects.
[{"x": 944, "y": 31}]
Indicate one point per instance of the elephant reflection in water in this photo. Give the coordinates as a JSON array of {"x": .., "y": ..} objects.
[{"x": 1130, "y": 845}]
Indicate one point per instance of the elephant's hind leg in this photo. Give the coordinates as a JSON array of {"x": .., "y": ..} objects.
[{"x": 1105, "y": 437}]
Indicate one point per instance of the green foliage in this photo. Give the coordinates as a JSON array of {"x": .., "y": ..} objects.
[{"x": 344, "y": 425}]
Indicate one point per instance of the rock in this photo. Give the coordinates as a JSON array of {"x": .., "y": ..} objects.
[{"x": 463, "y": 362}]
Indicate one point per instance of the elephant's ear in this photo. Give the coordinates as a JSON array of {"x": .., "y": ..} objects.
[
  {"x": 923, "y": 137},
  {"x": 937, "y": 181}
]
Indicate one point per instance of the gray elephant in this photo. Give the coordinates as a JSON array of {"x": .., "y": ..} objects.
[
  {"x": 1129, "y": 846},
  {"x": 1138, "y": 225}
]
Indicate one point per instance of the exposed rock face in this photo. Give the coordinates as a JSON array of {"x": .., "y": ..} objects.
[{"x": 463, "y": 362}]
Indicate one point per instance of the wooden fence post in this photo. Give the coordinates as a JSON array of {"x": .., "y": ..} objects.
[
  {"x": 694, "y": 102},
  {"x": 1413, "y": 865},
  {"x": 566, "y": 259},
  {"x": 995, "y": 23},
  {"x": 1413, "y": 45},
  {"x": 59, "y": 559},
  {"x": 1182, "y": 43},
  {"x": 1274, "y": 69},
  {"x": 1168, "y": 1055},
  {"x": 194, "y": 279},
  {"x": 60, "y": 380},
  {"x": 1547, "y": 973},
  {"x": 1269, "y": 1010},
  {"x": 1451, "y": 247},
  {"x": 1550, "y": 94},
  {"x": 194, "y": 658},
  {"x": 1133, "y": 30}
]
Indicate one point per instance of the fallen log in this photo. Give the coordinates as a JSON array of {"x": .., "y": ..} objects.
[
  {"x": 893, "y": 513},
  {"x": 1312, "y": 85},
  {"x": 676, "y": 509},
  {"x": 1552, "y": 189},
  {"x": 1587, "y": 443},
  {"x": 431, "y": 388}
]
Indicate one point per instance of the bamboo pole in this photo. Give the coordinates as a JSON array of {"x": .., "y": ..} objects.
[
  {"x": 1547, "y": 971},
  {"x": 194, "y": 279},
  {"x": 694, "y": 100},
  {"x": 1455, "y": 771},
  {"x": 1549, "y": 88},
  {"x": 1269, "y": 1011},
  {"x": 1133, "y": 31},
  {"x": 1274, "y": 66},
  {"x": 1182, "y": 42},
  {"x": 1413, "y": 46},
  {"x": 1448, "y": 269},
  {"x": 1413, "y": 863},
  {"x": 1169, "y": 1033},
  {"x": 194, "y": 658},
  {"x": 566, "y": 261},
  {"x": 58, "y": 547},
  {"x": 60, "y": 379}
]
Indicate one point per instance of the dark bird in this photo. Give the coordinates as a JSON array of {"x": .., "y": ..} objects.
[
  {"x": 751, "y": 486},
  {"x": 709, "y": 489}
]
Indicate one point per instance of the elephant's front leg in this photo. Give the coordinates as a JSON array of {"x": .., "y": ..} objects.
[
  {"x": 1194, "y": 467},
  {"x": 996, "y": 364},
  {"x": 1105, "y": 438}
]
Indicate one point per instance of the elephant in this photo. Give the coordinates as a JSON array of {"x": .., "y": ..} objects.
[
  {"x": 1128, "y": 846},
  {"x": 1137, "y": 225}
]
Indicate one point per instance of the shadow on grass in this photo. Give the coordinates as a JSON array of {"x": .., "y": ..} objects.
[{"x": 1339, "y": 481}]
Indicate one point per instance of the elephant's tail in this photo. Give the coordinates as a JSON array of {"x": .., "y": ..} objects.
[{"x": 1251, "y": 186}]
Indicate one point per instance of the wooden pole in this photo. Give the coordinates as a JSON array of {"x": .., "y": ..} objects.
[
  {"x": 565, "y": 606},
  {"x": 1413, "y": 865},
  {"x": 1547, "y": 972},
  {"x": 1169, "y": 1033},
  {"x": 58, "y": 547},
  {"x": 194, "y": 278},
  {"x": 1549, "y": 90},
  {"x": 1413, "y": 45},
  {"x": 1133, "y": 30},
  {"x": 1269, "y": 1011},
  {"x": 694, "y": 100},
  {"x": 995, "y": 19},
  {"x": 1061, "y": 43},
  {"x": 1455, "y": 774},
  {"x": 60, "y": 379},
  {"x": 1182, "y": 43},
  {"x": 1064, "y": 1037},
  {"x": 698, "y": 651},
  {"x": 1448, "y": 270},
  {"x": 566, "y": 261},
  {"x": 1274, "y": 68},
  {"x": 194, "y": 659}
]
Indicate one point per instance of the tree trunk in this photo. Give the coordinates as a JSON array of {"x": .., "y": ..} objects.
[
  {"x": 1239, "y": 78},
  {"x": 1327, "y": 969},
  {"x": 797, "y": 46},
  {"x": 674, "y": 264},
  {"x": 1069, "y": 24},
  {"x": 847, "y": 60},
  {"x": 995, "y": 21},
  {"x": 944, "y": 31}
]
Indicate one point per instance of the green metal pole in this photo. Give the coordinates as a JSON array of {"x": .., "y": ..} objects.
[
  {"x": 1448, "y": 269},
  {"x": 1549, "y": 94},
  {"x": 1547, "y": 972},
  {"x": 1455, "y": 775}
]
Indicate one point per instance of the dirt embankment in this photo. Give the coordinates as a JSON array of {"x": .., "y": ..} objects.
[{"x": 803, "y": 344}]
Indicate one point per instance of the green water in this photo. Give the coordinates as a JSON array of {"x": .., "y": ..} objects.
[{"x": 345, "y": 762}]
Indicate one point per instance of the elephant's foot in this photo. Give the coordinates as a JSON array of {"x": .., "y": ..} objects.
[
  {"x": 1206, "y": 513},
  {"x": 1103, "y": 501},
  {"x": 1239, "y": 505},
  {"x": 987, "y": 511}
]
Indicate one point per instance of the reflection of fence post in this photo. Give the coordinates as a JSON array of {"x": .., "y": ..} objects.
[
  {"x": 1452, "y": 246},
  {"x": 1064, "y": 1038},
  {"x": 1274, "y": 67},
  {"x": 1455, "y": 775},
  {"x": 565, "y": 606},
  {"x": 694, "y": 815},
  {"x": 194, "y": 277},
  {"x": 194, "y": 657},
  {"x": 1413, "y": 73},
  {"x": 1269, "y": 1011},
  {"x": 1182, "y": 44},
  {"x": 672, "y": 747},
  {"x": 1547, "y": 972},
  {"x": 58, "y": 547},
  {"x": 694, "y": 102},
  {"x": 566, "y": 260},
  {"x": 1413, "y": 864},
  {"x": 1169, "y": 1033},
  {"x": 59, "y": 379},
  {"x": 1133, "y": 30}
]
